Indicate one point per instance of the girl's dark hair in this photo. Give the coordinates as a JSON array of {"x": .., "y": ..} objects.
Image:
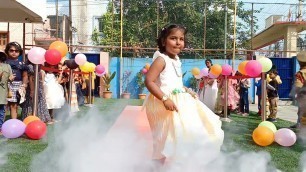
[
  {"x": 3, "y": 57},
  {"x": 208, "y": 60},
  {"x": 165, "y": 32},
  {"x": 274, "y": 71},
  {"x": 13, "y": 44},
  {"x": 302, "y": 64}
]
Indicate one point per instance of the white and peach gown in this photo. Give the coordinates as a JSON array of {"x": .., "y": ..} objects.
[{"x": 193, "y": 126}]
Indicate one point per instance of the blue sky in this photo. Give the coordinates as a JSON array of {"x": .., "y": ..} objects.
[{"x": 271, "y": 9}]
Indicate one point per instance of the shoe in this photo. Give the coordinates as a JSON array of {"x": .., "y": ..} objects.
[
  {"x": 239, "y": 113},
  {"x": 245, "y": 114},
  {"x": 271, "y": 119},
  {"x": 297, "y": 125}
]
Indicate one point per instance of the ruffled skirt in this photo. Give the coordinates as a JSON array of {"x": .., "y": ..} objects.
[{"x": 180, "y": 133}]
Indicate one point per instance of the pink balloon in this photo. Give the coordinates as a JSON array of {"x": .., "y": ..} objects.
[
  {"x": 144, "y": 70},
  {"x": 285, "y": 137},
  {"x": 210, "y": 75},
  {"x": 253, "y": 68},
  {"x": 99, "y": 69},
  {"x": 13, "y": 128},
  {"x": 80, "y": 59},
  {"x": 204, "y": 72},
  {"x": 100, "y": 74},
  {"x": 226, "y": 69},
  {"x": 36, "y": 55}
]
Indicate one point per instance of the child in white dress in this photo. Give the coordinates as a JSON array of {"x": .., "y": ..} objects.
[
  {"x": 54, "y": 92},
  {"x": 178, "y": 120}
]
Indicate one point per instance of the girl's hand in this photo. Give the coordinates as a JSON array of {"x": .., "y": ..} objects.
[
  {"x": 169, "y": 105},
  {"x": 12, "y": 77}
]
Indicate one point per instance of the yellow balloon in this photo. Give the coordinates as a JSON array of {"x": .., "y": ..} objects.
[
  {"x": 195, "y": 71},
  {"x": 92, "y": 67},
  {"x": 85, "y": 67}
]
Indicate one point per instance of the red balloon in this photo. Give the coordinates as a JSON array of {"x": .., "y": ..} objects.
[
  {"x": 36, "y": 130},
  {"x": 53, "y": 56}
]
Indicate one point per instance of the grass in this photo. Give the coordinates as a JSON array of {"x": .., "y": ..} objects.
[{"x": 238, "y": 135}]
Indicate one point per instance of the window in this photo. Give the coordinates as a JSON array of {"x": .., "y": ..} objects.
[{"x": 97, "y": 23}]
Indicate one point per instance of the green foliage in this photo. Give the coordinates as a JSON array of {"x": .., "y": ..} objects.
[
  {"x": 140, "y": 23},
  {"x": 193, "y": 83},
  {"x": 140, "y": 82},
  {"x": 107, "y": 78}
]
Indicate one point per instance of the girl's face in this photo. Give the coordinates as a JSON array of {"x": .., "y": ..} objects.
[
  {"x": 208, "y": 64},
  {"x": 13, "y": 52},
  {"x": 272, "y": 75},
  {"x": 174, "y": 43}
]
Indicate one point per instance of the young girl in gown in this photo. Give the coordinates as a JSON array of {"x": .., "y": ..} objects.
[{"x": 178, "y": 120}]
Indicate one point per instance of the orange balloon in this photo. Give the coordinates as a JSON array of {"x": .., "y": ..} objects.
[
  {"x": 241, "y": 67},
  {"x": 195, "y": 71},
  {"x": 59, "y": 46},
  {"x": 263, "y": 136},
  {"x": 29, "y": 119},
  {"x": 147, "y": 66},
  {"x": 216, "y": 69}
]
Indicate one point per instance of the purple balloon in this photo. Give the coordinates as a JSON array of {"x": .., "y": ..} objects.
[
  {"x": 226, "y": 69},
  {"x": 285, "y": 137},
  {"x": 204, "y": 72},
  {"x": 13, "y": 128}
]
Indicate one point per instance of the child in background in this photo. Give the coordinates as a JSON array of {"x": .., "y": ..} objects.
[
  {"x": 6, "y": 75},
  {"x": 300, "y": 88},
  {"x": 244, "y": 96},
  {"x": 258, "y": 93},
  {"x": 20, "y": 70},
  {"x": 178, "y": 120},
  {"x": 273, "y": 95}
]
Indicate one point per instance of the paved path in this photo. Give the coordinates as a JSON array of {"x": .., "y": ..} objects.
[{"x": 286, "y": 111}]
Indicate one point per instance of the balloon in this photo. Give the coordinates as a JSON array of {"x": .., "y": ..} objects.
[
  {"x": 99, "y": 69},
  {"x": 100, "y": 74},
  {"x": 13, "y": 128},
  {"x": 268, "y": 124},
  {"x": 68, "y": 56},
  {"x": 285, "y": 137},
  {"x": 195, "y": 71},
  {"x": 204, "y": 72},
  {"x": 53, "y": 57},
  {"x": 210, "y": 75},
  {"x": 80, "y": 59},
  {"x": 198, "y": 76},
  {"x": 147, "y": 66},
  {"x": 71, "y": 64},
  {"x": 263, "y": 136},
  {"x": 253, "y": 68},
  {"x": 92, "y": 67},
  {"x": 59, "y": 46},
  {"x": 241, "y": 67},
  {"x": 266, "y": 64},
  {"x": 144, "y": 71},
  {"x": 85, "y": 67},
  {"x": 226, "y": 69},
  {"x": 36, "y": 130},
  {"x": 36, "y": 55},
  {"x": 29, "y": 119},
  {"x": 216, "y": 69}
]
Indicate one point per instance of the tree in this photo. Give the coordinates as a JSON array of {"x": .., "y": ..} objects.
[{"x": 140, "y": 23}]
